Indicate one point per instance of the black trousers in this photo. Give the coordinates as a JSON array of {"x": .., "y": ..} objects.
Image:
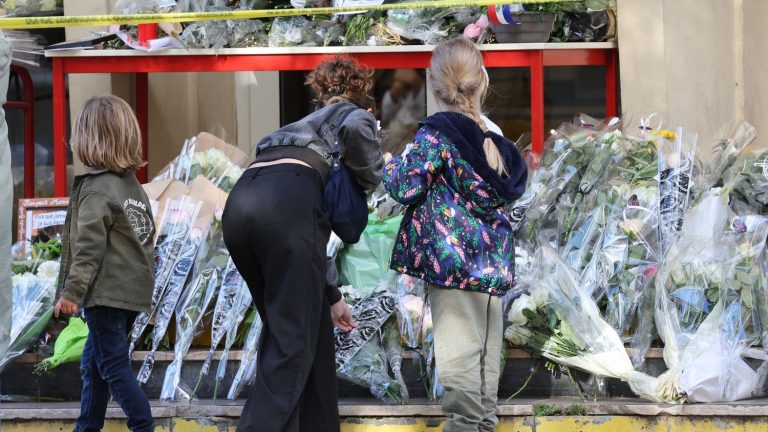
[{"x": 276, "y": 230}]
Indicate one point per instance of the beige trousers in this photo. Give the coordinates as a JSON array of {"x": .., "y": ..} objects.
[{"x": 468, "y": 331}]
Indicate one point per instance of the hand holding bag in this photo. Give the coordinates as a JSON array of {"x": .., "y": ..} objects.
[{"x": 344, "y": 198}]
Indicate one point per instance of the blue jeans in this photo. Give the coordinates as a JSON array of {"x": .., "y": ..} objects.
[{"x": 106, "y": 369}]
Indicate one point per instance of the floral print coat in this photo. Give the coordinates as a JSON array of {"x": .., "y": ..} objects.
[{"x": 455, "y": 232}]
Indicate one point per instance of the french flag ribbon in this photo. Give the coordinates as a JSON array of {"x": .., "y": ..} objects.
[{"x": 500, "y": 14}]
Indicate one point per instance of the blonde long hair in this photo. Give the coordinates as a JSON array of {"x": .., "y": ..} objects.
[
  {"x": 106, "y": 135},
  {"x": 459, "y": 82}
]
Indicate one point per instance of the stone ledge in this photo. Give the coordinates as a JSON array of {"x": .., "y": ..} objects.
[{"x": 360, "y": 409}]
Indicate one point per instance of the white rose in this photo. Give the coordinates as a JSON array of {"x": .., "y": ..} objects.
[
  {"x": 517, "y": 335},
  {"x": 516, "y": 315}
]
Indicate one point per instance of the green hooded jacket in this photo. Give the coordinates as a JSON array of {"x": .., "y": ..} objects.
[{"x": 107, "y": 256}]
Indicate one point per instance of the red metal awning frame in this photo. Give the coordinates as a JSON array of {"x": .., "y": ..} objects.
[
  {"x": 533, "y": 56},
  {"x": 26, "y": 104}
]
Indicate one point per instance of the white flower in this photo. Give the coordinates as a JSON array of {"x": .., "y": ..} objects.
[
  {"x": 411, "y": 305},
  {"x": 48, "y": 270},
  {"x": 516, "y": 315},
  {"x": 349, "y": 290},
  {"x": 218, "y": 214},
  {"x": 517, "y": 335}
]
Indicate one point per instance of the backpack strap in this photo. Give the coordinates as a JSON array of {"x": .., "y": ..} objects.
[{"x": 336, "y": 149}]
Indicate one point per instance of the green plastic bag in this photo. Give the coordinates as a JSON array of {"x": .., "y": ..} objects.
[
  {"x": 365, "y": 264},
  {"x": 68, "y": 347}
]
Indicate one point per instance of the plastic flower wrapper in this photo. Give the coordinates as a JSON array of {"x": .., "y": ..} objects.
[
  {"x": 247, "y": 33},
  {"x": 709, "y": 365},
  {"x": 189, "y": 315},
  {"x": 290, "y": 31},
  {"x": 410, "y": 309},
  {"x": 360, "y": 358},
  {"x": 625, "y": 267},
  {"x": 68, "y": 347},
  {"x": 730, "y": 141},
  {"x": 215, "y": 166},
  {"x": 207, "y": 34},
  {"x": 33, "y": 299},
  {"x": 749, "y": 183},
  {"x": 177, "y": 224},
  {"x": 676, "y": 160},
  {"x": 391, "y": 342},
  {"x": 429, "y": 373},
  {"x": 125, "y": 7},
  {"x": 424, "y": 25},
  {"x": 691, "y": 275},
  {"x": 606, "y": 151},
  {"x": 369, "y": 368},
  {"x": 232, "y": 295},
  {"x": 246, "y": 372},
  {"x": 170, "y": 299},
  {"x": 568, "y": 152},
  {"x": 179, "y": 167},
  {"x": 568, "y": 328},
  {"x": 236, "y": 315}
]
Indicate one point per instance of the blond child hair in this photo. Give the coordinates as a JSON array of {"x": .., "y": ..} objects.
[
  {"x": 459, "y": 82},
  {"x": 106, "y": 135}
]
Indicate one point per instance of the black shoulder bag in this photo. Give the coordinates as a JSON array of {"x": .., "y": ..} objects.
[{"x": 344, "y": 198}]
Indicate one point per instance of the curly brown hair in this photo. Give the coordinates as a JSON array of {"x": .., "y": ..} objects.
[{"x": 342, "y": 79}]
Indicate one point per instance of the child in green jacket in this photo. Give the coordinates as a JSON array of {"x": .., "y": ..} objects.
[{"x": 107, "y": 263}]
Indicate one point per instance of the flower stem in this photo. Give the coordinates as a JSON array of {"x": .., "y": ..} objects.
[{"x": 534, "y": 369}]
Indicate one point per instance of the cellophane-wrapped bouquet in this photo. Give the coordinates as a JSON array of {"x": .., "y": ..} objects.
[
  {"x": 33, "y": 287},
  {"x": 657, "y": 239}
]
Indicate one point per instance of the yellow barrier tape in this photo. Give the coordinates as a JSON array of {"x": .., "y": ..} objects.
[{"x": 152, "y": 18}]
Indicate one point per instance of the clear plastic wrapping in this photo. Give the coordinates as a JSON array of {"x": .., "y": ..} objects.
[
  {"x": 175, "y": 229},
  {"x": 170, "y": 299},
  {"x": 33, "y": 298},
  {"x": 236, "y": 315},
  {"x": 189, "y": 315},
  {"x": 676, "y": 160},
  {"x": 231, "y": 295},
  {"x": 246, "y": 372},
  {"x": 557, "y": 320},
  {"x": 410, "y": 309}
]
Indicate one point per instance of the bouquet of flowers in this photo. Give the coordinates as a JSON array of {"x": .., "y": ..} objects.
[
  {"x": 565, "y": 326},
  {"x": 246, "y": 372},
  {"x": 749, "y": 178},
  {"x": 435, "y": 391},
  {"x": 360, "y": 357},
  {"x": 236, "y": 315},
  {"x": 391, "y": 343},
  {"x": 177, "y": 223},
  {"x": 410, "y": 309},
  {"x": 676, "y": 160},
  {"x": 229, "y": 311},
  {"x": 33, "y": 294},
  {"x": 167, "y": 305},
  {"x": 189, "y": 314},
  {"x": 708, "y": 328}
]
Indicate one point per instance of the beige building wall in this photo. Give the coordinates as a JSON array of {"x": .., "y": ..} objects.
[
  {"x": 699, "y": 63},
  {"x": 756, "y": 68}
]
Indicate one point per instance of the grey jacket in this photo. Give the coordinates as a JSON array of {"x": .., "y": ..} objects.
[
  {"x": 107, "y": 256},
  {"x": 358, "y": 137}
]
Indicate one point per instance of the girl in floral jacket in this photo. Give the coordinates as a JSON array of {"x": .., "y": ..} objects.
[{"x": 456, "y": 179}]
